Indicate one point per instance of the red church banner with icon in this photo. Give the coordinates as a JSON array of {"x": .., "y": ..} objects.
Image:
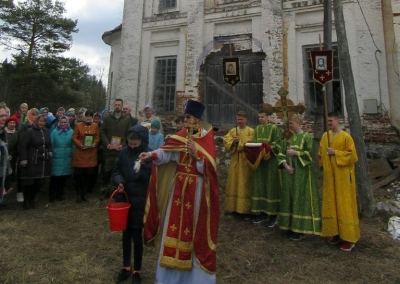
[{"x": 322, "y": 65}]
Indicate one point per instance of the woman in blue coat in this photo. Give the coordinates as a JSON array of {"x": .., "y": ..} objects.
[{"x": 61, "y": 164}]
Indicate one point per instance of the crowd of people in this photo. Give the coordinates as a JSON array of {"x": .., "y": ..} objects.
[
  {"x": 171, "y": 183},
  {"x": 81, "y": 144},
  {"x": 272, "y": 181},
  {"x": 36, "y": 145}
]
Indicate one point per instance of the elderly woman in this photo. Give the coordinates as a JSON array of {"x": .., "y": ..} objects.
[
  {"x": 61, "y": 168},
  {"x": 34, "y": 157},
  {"x": 31, "y": 116},
  {"x": 86, "y": 137},
  {"x": 148, "y": 115}
]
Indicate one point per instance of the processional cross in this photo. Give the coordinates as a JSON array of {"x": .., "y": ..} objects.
[
  {"x": 191, "y": 126},
  {"x": 285, "y": 109}
]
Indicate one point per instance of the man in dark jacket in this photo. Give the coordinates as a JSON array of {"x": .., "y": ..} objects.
[
  {"x": 134, "y": 182},
  {"x": 127, "y": 111},
  {"x": 112, "y": 134}
]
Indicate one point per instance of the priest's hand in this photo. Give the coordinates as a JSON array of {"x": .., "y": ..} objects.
[{"x": 191, "y": 145}]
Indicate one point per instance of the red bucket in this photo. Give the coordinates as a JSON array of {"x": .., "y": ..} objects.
[{"x": 117, "y": 213}]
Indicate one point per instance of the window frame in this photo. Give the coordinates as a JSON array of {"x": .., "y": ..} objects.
[
  {"x": 168, "y": 104},
  {"x": 160, "y": 9}
]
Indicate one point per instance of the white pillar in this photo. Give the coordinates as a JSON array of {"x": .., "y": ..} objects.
[
  {"x": 272, "y": 46},
  {"x": 129, "y": 65},
  {"x": 195, "y": 35}
]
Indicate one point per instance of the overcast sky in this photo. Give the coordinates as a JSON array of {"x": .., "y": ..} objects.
[{"x": 94, "y": 18}]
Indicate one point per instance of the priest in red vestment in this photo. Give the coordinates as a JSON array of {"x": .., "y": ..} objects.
[{"x": 182, "y": 206}]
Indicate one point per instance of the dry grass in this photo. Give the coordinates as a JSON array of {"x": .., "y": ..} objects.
[{"x": 67, "y": 242}]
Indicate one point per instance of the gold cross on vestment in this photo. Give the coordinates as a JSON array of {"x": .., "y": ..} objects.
[{"x": 285, "y": 109}]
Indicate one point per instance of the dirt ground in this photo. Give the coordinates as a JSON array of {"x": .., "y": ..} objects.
[{"x": 67, "y": 242}]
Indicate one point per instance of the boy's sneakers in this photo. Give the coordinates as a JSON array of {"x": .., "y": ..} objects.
[
  {"x": 333, "y": 240},
  {"x": 288, "y": 234},
  {"x": 136, "y": 279},
  {"x": 272, "y": 221},
  {"x": 347, "y": 246},
  {"x": 123, "y": 275},
  {"x": 260, "y": 218},
  {"x": 297, "y": 236}
]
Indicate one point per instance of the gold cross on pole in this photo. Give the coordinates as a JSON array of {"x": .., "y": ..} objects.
[
  {"x": 191, "y": 126},
  {"x": 285, "y": 109}
]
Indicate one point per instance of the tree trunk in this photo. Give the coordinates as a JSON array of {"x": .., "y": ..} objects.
[{"x": 364, "y": 188}]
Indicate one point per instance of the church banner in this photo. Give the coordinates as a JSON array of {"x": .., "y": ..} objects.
[
  {"x": 231, "y": 70},
  {"x": 322, "y": 65}
]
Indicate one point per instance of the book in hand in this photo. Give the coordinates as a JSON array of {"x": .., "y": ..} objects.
[
  {"x": 115, "y": 142},
  {"x": 88, "y": 140}
]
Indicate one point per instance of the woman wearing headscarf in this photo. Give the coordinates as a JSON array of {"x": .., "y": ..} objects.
[
  {"x": 34, "y": 158},
  {"x": 61, "y": 166},
  {"x": 86, "y": 137},
  {"x": 148, "y": 115}
]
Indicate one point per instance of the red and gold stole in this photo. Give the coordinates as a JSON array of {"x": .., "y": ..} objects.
[
  {"x": 185, "y": 234},
  {"x": 178, "y": 239}
]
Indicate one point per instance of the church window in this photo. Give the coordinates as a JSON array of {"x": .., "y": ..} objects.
[
  {"x": 167, "y": 4},
  {"x": 313, "y": 90},
  {"x": 165, "y": 84}
]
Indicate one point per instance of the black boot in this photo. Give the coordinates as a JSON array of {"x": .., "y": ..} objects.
[
  {"x": 34, "y": 190},
  {"x": 78, "y": 184},
  {"x": 52, "y": 195},
  {"x": 60, "y": 193},
  {"x": 32, "y": 202},
  {"x": 84, "y": 197},
  {"x": 27, "y": 198}
]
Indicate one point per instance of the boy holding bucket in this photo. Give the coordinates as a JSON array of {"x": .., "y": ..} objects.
[{"x": 135, "y": 186}]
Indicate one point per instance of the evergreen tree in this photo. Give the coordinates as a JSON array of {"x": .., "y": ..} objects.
[
  {"x": 38, "y": 33},
  {"x": 36, "y": 28}
]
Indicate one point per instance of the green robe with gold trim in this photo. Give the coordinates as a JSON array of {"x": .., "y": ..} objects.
[
  {"x": 300, "y": 205},
  {"x": 266, "y": 178}
]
